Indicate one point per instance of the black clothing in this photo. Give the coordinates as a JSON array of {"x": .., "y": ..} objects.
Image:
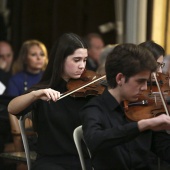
[
  {"x": 59, "y": 163},
  {"x": 117, "y": 143},
  {"x": 55, "y": 123},
  {"x": 5, "y": 128}
]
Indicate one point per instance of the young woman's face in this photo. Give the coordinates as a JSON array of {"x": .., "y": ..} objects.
[
  {"x": 75, "y": 64},
  {"x": 35, "y": 59}
]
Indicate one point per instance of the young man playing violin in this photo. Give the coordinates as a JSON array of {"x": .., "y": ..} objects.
[{"x": 115, "y": 141}]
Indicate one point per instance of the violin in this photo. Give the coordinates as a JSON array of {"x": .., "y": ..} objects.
[
  {"x": 150, "y": 104},
  {"x": 163, "y": 80},
  {"x": 145, "y": 108},
  {"x": 89, "y": 84}
]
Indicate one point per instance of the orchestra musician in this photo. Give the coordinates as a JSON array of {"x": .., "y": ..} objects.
[
  {"x": 115, "y": 141},
  {"x": 56, "y": 119}
]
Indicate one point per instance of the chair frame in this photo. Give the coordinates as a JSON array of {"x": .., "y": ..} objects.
[
  {"x": 21, "y": 121},
  {"x": 78, "y": 137}
]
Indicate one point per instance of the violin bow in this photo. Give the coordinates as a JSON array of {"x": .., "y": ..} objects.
[{"x": 161, "y": 95}]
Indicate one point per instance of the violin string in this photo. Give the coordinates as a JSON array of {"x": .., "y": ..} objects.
[
  {"x": 163, "y": 101},
  {"x": 155, "y": 99}
]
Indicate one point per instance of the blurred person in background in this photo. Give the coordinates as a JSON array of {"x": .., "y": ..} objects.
[
  {"x": 102, "y": 58},
  {"x": 27, "y": 71},
  {"x": 95, "y": 46},
  {"x": 6, "y": 60},
  {"x": 28, "y": 68}
]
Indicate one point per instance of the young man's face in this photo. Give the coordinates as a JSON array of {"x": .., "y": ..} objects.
[{"x": 134, "y": 87}]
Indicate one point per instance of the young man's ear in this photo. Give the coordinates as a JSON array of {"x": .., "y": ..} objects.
[{"x": 120, "y": 79}]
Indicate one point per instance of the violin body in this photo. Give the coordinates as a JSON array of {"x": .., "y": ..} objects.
[
  {"x": 93, "y": 89},
  {"x": 150, "y": 103},
  {"x": 144, "y": 108},
  {"x": 164, "y": 84}
]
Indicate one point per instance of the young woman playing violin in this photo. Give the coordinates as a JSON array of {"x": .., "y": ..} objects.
[
  {"x": 114, "y": 141},
  {"x": 56, "y": 119}
]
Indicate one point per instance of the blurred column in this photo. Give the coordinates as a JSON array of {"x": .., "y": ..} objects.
[
  {"x": 136, "y": 19},
  {"x": 159, "y": 21},
  {"x": 167, "y": 36},
  {"x": 141, "y": 21},
  {"x": 119, "y": 20}
]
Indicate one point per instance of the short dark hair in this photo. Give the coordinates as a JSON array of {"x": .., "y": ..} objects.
[
  {"x": 155, "y": 48},
  {"x": 128, "y": 59}
]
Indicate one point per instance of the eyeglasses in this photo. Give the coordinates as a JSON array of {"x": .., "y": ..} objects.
[{"x": 160, "y": 65}]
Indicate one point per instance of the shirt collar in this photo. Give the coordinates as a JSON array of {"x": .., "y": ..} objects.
[{"x": 111, "y": 102}]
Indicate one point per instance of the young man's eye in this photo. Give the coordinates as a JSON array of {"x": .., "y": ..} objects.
[{"x": 141, "y": 81}]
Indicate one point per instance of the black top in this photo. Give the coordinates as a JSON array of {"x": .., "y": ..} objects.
[
  {"x": 55, "y": 123},
  {"x": 117, "y": 143}
]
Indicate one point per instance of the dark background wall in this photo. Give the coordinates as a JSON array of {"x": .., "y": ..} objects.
[{"x": 46, "y": 20}]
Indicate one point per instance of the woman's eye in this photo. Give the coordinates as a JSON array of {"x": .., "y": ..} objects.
[
  {"x": 33, "y": 54},
  {"x": 76, "y": 60},
  {"x": 42, "y": 55}
]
